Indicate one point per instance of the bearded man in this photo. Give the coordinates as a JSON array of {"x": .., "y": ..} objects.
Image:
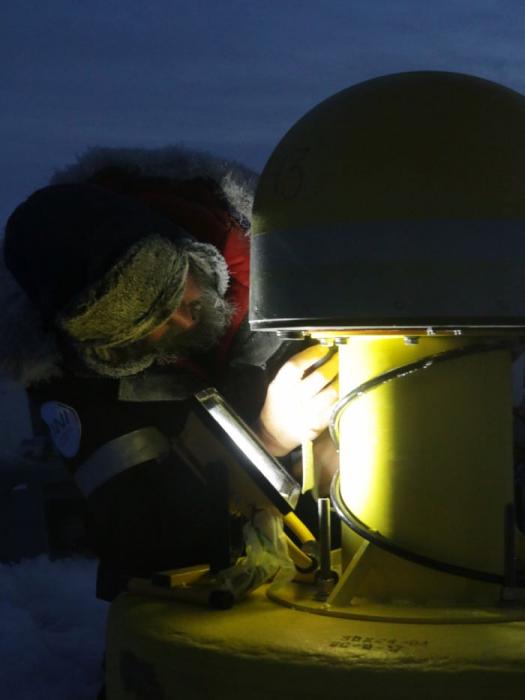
[{"x": 129, "y": 283}]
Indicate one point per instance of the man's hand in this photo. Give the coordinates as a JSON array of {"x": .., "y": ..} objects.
[{"x": 299, "y": 401}]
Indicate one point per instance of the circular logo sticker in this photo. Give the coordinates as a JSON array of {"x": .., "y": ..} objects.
[{"x": 64, "y": 426}]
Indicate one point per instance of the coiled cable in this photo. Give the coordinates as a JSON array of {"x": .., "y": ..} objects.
[{"x": 342, "y": 509}]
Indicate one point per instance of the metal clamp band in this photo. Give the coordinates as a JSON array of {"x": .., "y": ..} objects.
[{"x": 120, "y": 454}]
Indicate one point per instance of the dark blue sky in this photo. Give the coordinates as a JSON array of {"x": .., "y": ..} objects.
[{"x": 230, "y": 76}]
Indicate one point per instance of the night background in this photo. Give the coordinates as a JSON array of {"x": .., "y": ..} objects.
[{"x": 230, "y": 77}]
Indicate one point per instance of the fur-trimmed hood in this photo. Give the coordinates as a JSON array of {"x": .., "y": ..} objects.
[
  {"x": 28, "y": 352},
  {"x": 173, "y": 162}
]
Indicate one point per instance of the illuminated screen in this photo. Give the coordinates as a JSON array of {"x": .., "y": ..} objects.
[{"x": 267, "y": 466}]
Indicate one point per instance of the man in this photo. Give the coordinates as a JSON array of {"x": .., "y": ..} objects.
[{"x": 135, "y": 265}]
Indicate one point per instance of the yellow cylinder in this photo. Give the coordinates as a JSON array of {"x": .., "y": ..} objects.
[{"x": 426, "y": 459}]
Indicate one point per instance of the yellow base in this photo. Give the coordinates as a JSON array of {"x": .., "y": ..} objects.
[
  {"x": 302, "y": 597},
  {"x": 159, "y": 649}
]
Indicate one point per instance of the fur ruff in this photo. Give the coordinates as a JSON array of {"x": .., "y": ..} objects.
[
  {"x": 28, "y": 353},
  {"x": 135, "y": 296},
  {"x": 173, "y": 162}
]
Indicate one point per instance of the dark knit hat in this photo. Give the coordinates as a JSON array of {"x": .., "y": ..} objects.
[{"x": 100, "y": 265}]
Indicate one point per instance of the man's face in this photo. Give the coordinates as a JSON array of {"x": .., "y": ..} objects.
[
  {"x": 185, "y": 316},
  {"x": 196, "y": 325}
]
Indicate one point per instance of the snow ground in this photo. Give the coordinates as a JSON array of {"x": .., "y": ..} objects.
[{"x": 51, "y": 630}]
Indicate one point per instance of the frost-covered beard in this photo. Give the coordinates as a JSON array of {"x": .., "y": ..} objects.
[{"x": 215, "y": 314}]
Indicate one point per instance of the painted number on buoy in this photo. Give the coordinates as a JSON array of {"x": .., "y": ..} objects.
[{"x": 365, "y": 643}]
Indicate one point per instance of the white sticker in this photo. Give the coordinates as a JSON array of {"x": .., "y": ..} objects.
[{"x": 64, "y": 426}]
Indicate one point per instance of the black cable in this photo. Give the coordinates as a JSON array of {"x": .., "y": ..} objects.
[
  {"x": 342, "y": 509},
  {"x": 379, "y": 540},
  {"x": 399, "y": 373}
]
